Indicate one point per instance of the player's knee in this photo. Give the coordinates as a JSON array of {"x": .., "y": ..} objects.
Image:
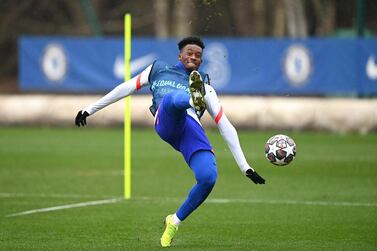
[
  {"x": 179, "y": 97},
  {"x": 208, "y": 178},
  {"x": 168, "y": 98},
  {"x": 176, "y": 102}
]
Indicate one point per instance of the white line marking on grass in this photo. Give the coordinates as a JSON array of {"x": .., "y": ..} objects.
[
  {"x": 212, "y": 201},
  {"x": 280, "y": 202},
  {"x": 294, "y": 202},
  {"x": 53, "y": 195},
  {"x": 82, "y": 204}
]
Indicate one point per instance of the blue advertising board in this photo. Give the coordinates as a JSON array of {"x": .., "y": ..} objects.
[{"x": 236, "y": 66}]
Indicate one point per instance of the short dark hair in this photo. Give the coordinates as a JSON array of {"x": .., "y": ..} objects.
[{"x": 190, "y": 40}]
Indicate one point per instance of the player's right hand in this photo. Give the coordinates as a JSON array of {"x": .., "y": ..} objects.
[{"x": 81, "y": 118}]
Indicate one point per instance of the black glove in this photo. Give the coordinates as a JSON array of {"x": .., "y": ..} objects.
[
  {"x": 81, "y": 118},
  {"x": 254, "y": 176}
]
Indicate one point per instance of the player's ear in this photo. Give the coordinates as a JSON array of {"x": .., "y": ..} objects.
[{"x": 180, "y": 56}]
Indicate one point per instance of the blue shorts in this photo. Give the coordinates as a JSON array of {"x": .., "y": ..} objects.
[{"x": 183, "y": 133}]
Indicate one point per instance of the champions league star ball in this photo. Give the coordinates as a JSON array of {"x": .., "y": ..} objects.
[{"x": 280, "y": 150}]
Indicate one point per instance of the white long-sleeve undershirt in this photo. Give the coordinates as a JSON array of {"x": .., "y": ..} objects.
[
  {"x": 121, "y": 91},
  {"x": 227, "y": 130}
]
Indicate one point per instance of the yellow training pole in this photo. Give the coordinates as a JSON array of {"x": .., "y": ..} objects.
[{"x": 127, "y": 110}]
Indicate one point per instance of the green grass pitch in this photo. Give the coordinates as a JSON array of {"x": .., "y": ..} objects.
[{"x": 325, "y": 200}]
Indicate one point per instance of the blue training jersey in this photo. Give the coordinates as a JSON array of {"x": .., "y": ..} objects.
[{"x": 165, "y": 78}]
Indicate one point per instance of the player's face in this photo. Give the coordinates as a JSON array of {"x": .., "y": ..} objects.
[{"x": 191, "y": 56}]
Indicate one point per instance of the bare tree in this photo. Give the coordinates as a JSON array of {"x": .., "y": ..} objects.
[
  {"x": 278, "y": 19},
  {"x": 324, "y": 8},
  {"x": 183, "y": 23},
  {"x": 296, "y": 20},
  {"x": 259, "y": 17},
  {"x": 241, "y": 12},
  {"x": 161, "y": 26},
  {"x": 80, "y": 23}
]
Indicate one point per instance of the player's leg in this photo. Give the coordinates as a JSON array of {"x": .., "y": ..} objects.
[
  {"x": 186, "y": 135},
  {"x": 203, "y": 165},
  {"x": 171, "y": 117},
  {"x": 176, "y": 103}
]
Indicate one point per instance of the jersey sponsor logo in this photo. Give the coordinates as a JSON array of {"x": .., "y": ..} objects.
[
  {"x": 136, "y": 65},
  {"x": 297, "y": 65},
  {"x": 54, "y": 63},
  {"x": 168, "y": 83},
  {"x": 371, "y": 68}
]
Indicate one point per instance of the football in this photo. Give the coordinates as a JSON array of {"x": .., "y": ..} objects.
[{"x": 280, "y": 150}]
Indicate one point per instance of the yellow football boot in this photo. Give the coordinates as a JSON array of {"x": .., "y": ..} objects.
[{"x": 170, "y": 230}]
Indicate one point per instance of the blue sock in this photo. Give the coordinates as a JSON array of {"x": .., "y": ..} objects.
[{"x": 203, "y": 164}]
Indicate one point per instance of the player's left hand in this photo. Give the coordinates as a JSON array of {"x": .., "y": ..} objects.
[
  {"x": 81, "y": 118},
  {"x": 254, "y": 176}
]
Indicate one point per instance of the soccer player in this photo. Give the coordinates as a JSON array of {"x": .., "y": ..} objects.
[{"x": 180, "y": 97}]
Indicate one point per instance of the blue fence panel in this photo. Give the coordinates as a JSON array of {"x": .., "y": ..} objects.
[
  {"x": 367, "y": 63},
  {"x": 236, "y": 66}
]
